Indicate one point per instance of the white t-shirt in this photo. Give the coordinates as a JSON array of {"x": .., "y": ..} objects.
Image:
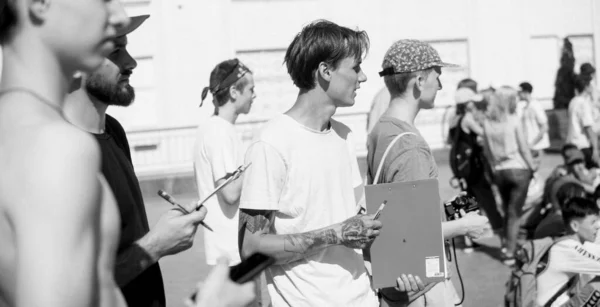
[
  {"x": 533, "y": 116},
  {"x": 218, "y": 151},
  {"x": 567, "y": 258},
  {"x": 580, "y": 116},
  {"x": 308, "y": 177}
]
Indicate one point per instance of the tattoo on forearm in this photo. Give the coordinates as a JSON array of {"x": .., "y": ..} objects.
[
  {"x": 304, "y": 242},
  {"x": 255, "y": 220}
]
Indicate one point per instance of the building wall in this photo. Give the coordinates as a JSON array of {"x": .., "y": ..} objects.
[{"x": 496, "y": 42}]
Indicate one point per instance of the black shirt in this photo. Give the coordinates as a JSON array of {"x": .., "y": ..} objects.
[{"x": 141, "y": 289}]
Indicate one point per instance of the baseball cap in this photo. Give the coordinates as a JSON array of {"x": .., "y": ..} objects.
[
  {"x": 573, "y": 156},
  {"x": 465, "y": 94},
  {"x": 409, "y": 55},
  {"x": 134, "y": 23}
]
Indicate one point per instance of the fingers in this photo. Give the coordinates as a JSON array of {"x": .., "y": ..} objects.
[
  {"x": 400, "y": 285},
  {"x": 420, "y": 284},
  {"x": 371, "y": 222},
  {"x": 462, "y": 212},
  {"x": 377, "y": 224},
  {"x": 197, "y": 216},
  {"x": 190, "y": 207},
  {"x": 406, "y": 283},
  {"x": 413, "y": 283}
]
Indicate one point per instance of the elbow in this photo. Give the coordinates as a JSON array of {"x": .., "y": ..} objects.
[{"x": 231, "y": 197}]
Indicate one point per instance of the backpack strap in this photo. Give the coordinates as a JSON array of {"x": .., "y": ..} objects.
[
  {"x": 385, "y": 153},
  {"x": 457, "y": 131},
  {"x": 543, "y": 263},
  {"x": 572, "y": 282}
]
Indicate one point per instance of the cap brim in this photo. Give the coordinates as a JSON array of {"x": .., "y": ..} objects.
[
  {"x": 134, "y": 23},
  {"x": 443, "y": 64}
]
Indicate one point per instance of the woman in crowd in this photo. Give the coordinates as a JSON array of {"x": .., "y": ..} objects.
[
  {"x": 466, "y": 131},
  {"x": 511, "y": 160}
]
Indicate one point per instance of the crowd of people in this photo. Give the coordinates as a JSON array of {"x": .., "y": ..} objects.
[
  {"x": 74, "y": 229},
  {"x": 502, "y": 135}
]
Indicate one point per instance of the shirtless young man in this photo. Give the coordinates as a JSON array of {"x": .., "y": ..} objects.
[{"x": 59, "y": 225}]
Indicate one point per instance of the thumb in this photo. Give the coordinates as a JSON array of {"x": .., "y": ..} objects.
[{"x": 195, "y": 217}]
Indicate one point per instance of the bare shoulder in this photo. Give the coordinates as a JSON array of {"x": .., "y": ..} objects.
[
  {"x": 55, "y": 168},
  {"x": 65, "y": 140}
]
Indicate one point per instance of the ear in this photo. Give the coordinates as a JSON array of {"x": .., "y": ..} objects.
[
  {"x": 574, "y": 226},
  {"x": 420, "y": 81},
  {"x": 38, "y": 9},
  {"x": 233, "y": 93},
  {"x": 324, "y": 71}
]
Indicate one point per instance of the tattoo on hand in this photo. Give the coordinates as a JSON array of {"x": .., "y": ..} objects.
[
  {"x": 304, "y": 242},
  {"x": 255, "y": 220},
  {"x": 354, "y": 233}
]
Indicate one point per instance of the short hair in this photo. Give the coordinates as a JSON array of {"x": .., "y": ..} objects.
[
  {"x": 8, "y": 20},
  {"x": 397, "y": 83},
  {"x": 218, "y": 74},
  {"x": 578, "y": 208},
  {"x": 468, "y": 83},
  {"x": 569, "y": 190},
  {"x": 566, "y": 148},
  {"x": 582, "y": 82},
  {"x": 526, "y": 87},
  {"x": 322, "y": 41}
]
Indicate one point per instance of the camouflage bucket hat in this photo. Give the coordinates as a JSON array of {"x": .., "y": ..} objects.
[{"x": 409, "y": 55}]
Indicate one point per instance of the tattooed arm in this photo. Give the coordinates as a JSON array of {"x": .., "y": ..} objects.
[{"x": 255, "y": 235}]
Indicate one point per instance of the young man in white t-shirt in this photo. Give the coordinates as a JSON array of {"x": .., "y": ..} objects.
[
  {"x": 572, "y": 256},
  {"x": 300, "y": 201},
  {"x": 219, "y": 152},
  {"x": 581, "y": 123},
  {"x": 534, "y": 121}
]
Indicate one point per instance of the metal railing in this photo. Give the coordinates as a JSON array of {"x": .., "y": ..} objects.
[{"x": 168, "y": 152}]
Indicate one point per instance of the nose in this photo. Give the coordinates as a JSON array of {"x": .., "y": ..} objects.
[
  {"x": 439, "y": 84},
  {"x": 361, "y": 76},
  {"x": 130, "y": 62},
  {"x": 117, "y": 18}
]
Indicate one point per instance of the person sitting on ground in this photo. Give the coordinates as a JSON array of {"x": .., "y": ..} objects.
[
  {"x": 573, "y": 170},
  {"x": 552, "y": 225},
  {"x": 569, "y": 257}
]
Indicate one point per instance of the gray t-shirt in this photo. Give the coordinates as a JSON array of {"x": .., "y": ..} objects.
[{"x": 409, "y": 159}]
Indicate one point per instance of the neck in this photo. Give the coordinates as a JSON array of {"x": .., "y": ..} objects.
[
  {"x": 405, "y": 109},
  {"x": 228, "y": 113},
  {"x": 313, "y": 109},
  {"x": 85, "y": 111},
  {"x": 575, "y": 237},
  {"x": 29, "y": 64}
]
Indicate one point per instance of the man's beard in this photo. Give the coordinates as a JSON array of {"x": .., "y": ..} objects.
[{"x": 111, "y": 94}]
